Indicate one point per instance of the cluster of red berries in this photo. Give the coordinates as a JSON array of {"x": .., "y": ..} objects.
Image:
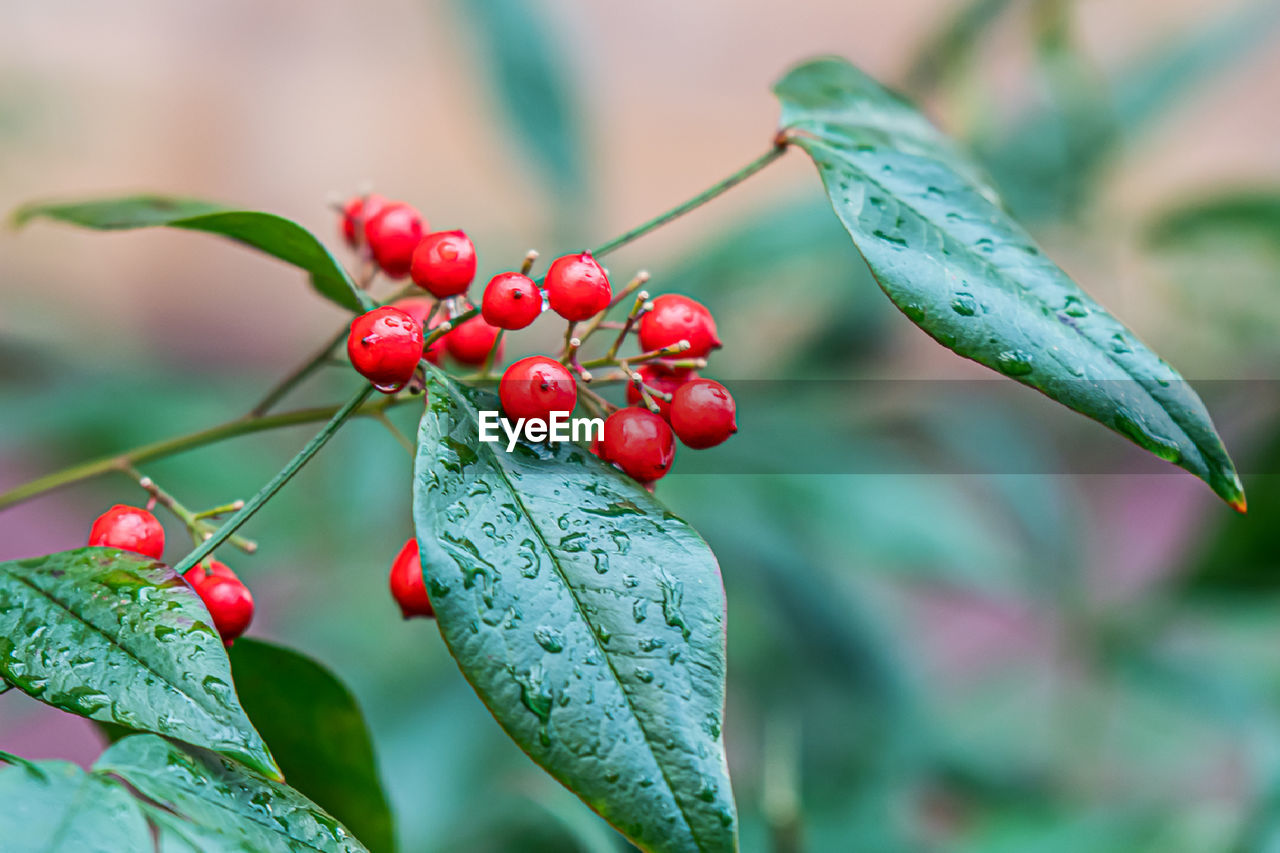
[
  {"x": 134, "y": 529},
  {"x": 667, "y": 401}
]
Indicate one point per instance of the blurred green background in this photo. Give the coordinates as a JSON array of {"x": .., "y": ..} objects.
[{"x": 919, "y": 660}]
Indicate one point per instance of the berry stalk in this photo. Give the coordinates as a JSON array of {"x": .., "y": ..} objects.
[{"x": 277, "y": 482}]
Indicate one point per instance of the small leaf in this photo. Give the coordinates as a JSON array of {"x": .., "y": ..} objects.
[
  {"x": 317, "y": 735},
  {"x": 1235, "y": 215},
  {"x": 589, "y": 619},
  {"x": 274, "y": 235},
  {"x": 116, "y": 637},
  {"x": 214, "y": 803},
  {"x": 54, "y": 805},
  {"x": 949, "y": 257}
]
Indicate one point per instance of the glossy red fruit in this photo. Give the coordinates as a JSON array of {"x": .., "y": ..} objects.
[
  {"x": 471, "y": 341},
  {"x": 676, "y": 318},
  {"x": 210, "y": 568},
  {"x": 511, "y": 301},
  {"x": 130, "y": 529},
  {"x": 227, "y": 599},
  {"x": 420, "y": 308},
  {"x": 703, "y": 413},
  {"x": 536, "y": 386},
  {"x": 355, "y": 213},
  {"x": 662, "y": 380},
  {"x": 393, "y": 233},
  {"x": 577, "y": 287},
  {"x": 408, "y": 587},
  {"x": 444, "y": 263},
  {"x": 385, "y": 346},
  {"x": 640, "y": 443}
]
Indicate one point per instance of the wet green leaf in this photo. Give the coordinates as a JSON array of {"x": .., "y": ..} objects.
[
  {"x": 212, "y": 803},
  {"x": 317, "y": 735},
  {"x": 117, "y": 637},
  {"x": 274, "y": 235},
  {"x": 947, "y": 255},
  {"x": 589, "y": 619},
  {"x": 55, "y": 806}
]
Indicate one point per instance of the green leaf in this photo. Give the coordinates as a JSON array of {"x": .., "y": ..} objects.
[
  {"x": 1247, "y": 213},
  {"x": 950, "y": 258},
  {"x": 214, "y": 803},
  {"x": 317, "y": 734},
  {"x": 951, "y": 45},
  {"x": 589, "y": 619},
  {"x": 275, "y": 235},
  {"x": 527, "y": 74},
  {"x": 54, "y": 805},
  {"x": 116, "y": 637}
]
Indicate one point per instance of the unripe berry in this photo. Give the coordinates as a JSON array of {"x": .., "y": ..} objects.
[
  {"x": 444, "y": 263},
  {"x": 536, "y": 386},
  {"x": 420, "y": 308},
  {"x": 511, "y": 301},
  {"x": 228, "y": 600},
  {"x": 355, "y": 213},
  {"x": 640, "y": 443},
  {"x": 656, "y": 378},
  {"x": 703, "y": 413},
  {"x": 385, "y": 346},
  {"x": 676, "y": 318},
  {"x": 471, "y": 341},
  {"x": 577, "y": 287},
  {"x": 408, "y": 586},
  {"x": 130, "y": 529},
  {"x": 393, "y": 234}
]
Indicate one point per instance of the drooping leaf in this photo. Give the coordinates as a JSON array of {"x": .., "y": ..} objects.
[
  {"x": 950, "y": 258},
  {"x": 117, "y": 637},
  {"x": 274, "y": 235},
  {"x": 54, "y": 805},
  {"x": 317, "y": 735},
  {"x": 589, "y": 619},
  {"x": 213, "y": 803},
  {"x": 526, "y": 69}
]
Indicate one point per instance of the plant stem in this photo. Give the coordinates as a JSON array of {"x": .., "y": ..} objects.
[
  {"x": 277, "y": 482},
  {"x": 178, "y": 444},
  {"x": 381, "y": 417},
  {"x": 301, "y": 372},
  {"x": 694, "y": 203},
  {"x": 196, "y": 526}
]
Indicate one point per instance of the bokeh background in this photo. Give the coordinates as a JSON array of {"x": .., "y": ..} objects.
[{"x": 971, "y": 642}]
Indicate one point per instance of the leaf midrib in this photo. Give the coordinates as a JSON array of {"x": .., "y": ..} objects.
[
  {"x": 991, "y": 266},
  {"x": 142, "y": 663},
  {"x": 604, "y": 653}
]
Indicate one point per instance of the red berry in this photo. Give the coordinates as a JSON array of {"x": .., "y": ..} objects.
[
  {"x": 702, "y": 413},
  {"x": 676, "y": 318},
  {"x": 420, "y": 308},
  {"x": 212, "y": 568},
  {"x": 640, "y": 443},
  {"x": 393, "y": 233},
  {"x": 664, "y": 381},
  {"x": 577, "y": 287},
  {"x": 227, "y": 598},
  {"x": 385, "y": 346},
  {"x": 511, "y": 301},
  {"x": 536, "y": 386},
  {"x": 130, "y": 529},
  {"x": 355, "y": 213},
  {"x": 408, "y": 587},
  {"x": 444, "y": 263},
  {"x": 471, "y": 341}
]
